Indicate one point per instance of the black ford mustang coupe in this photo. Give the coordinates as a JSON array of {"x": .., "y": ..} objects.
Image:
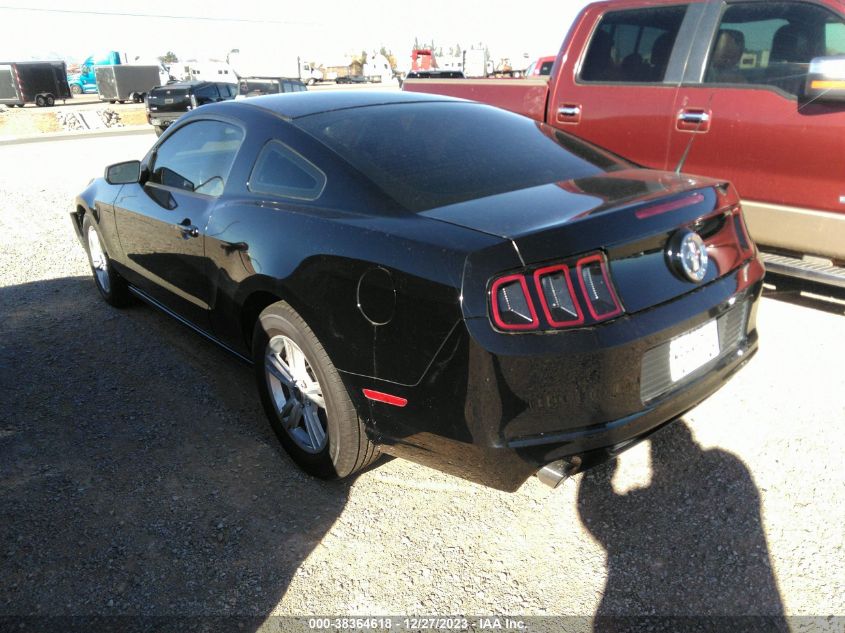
[{"x": 432, "y": 278}]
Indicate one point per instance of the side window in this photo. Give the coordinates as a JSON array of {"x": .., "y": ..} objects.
[
  {"x": 198, "y": 157},
  {"x": 771, "y": 43},
  {"x": 207, "y": 94},
  {"x": 281, "y": 171},
  {"x": 633, "y": 46}
]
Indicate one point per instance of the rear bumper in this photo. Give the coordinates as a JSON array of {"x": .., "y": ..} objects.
[{"x": 496, "y": 408}]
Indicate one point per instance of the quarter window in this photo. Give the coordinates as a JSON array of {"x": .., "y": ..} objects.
[
  {"x": 772, "y": 43},
  {"x": 633, "y": 46},
  {"x": 281, "y": 171},
  {"x": 197, "y": 157}
]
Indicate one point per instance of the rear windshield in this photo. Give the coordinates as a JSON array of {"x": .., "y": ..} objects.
[{"x": 427, "y": 155}]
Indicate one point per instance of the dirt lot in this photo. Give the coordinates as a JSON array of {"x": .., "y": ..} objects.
[{"x": 139, "y": 477}]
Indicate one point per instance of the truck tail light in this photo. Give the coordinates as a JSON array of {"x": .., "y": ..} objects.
[
  {"x": 512, "y": 306},
  {"x": 595, "y": 284},
  {"x": 557, "y": 296}
]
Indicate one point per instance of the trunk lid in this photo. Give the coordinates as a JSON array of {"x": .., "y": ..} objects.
[{"x": 629, "y": 216}]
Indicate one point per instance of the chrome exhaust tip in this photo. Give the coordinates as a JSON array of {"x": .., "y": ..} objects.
[{"x": 554, "y": 474}]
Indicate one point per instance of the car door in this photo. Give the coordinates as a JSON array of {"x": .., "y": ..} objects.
[
  {"x": 162, "y": 222},
  {"x": 783, "y": 155},
  {"x": 620, "y": 93}
]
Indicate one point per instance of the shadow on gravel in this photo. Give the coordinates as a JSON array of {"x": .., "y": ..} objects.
[
  {"x": 138, "y": 474},
  {"x": 690, "y": 544}
]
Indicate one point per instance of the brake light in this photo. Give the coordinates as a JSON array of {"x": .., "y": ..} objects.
[
  {"x": 595, "y": 284},
  {"x": 666, "y": 207},
  {"x": 511, "y": 304},
  {"x": 557, "y": 296},
  {"x": 561, "y": 297}
]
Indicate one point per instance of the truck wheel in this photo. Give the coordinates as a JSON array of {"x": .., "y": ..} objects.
[
  {"x": 111, "y": 100},
  {"x": 75, "y": 89},
  {"x": 40, "y": 101},
  {"x": 158, "y": 130},
  {"x": 51, "y": 101}
]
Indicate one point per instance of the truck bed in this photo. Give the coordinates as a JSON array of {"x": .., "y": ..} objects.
[{"x": 523, "y": 96}]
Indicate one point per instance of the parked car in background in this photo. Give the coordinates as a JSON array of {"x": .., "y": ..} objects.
[
  {"x": 435, "y": 73},
  {"x": 432, "y": 278},
  {"x": 167, "y": 103},
  {"x": 351, "y": 79},
  {"x": 541, "y": 67},
  {"x": 753, "y": 92},
  {"x": 258, "y": 86}
]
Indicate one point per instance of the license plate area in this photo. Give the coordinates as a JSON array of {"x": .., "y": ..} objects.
[
  {"x": 693, "y": 350},
  {"x": 679, "y": 359}
]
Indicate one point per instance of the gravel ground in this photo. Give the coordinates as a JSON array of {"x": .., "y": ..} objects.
[{"x": 138, "y": 475}]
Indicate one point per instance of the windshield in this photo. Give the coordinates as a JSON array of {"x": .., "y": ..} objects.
[{"x": 427, "y": 155}]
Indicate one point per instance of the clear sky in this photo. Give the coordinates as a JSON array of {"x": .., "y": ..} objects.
[{"x": 319, "y": 30}]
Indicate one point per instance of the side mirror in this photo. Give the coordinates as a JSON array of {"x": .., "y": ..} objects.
[
  {"x": 826, "y": 80},
  {"x": 124, "y": 173}
]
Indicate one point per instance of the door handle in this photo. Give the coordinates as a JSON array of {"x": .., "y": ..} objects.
[
  {"x": 569, "y": 113},
  {"x": 186, "y": 229},
  {"x": 695, "y": 120}
]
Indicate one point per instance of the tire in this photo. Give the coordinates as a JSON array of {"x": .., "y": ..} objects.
[
  {"x": 75, "y": 89},
  {"x": 40, "y": 101},
  {"x": 110, "y": 284},
  {"x": 158, "y": 130},
  {"x": 343, "y": 448},
  {"x": 50, "y": 101}
]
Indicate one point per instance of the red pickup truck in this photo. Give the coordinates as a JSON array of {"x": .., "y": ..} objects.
[{"x": 748, "y": 90}]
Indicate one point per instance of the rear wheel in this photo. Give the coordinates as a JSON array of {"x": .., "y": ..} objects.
[
  {"x": 305, "y": 399},
  {"x": 40, "y": 101},
  {"x": 111, "y": 285},
  {"x": 50, "y": 101}
]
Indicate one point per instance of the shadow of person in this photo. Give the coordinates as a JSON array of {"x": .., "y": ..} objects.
[
  {"x": 139, "y": 477},
  {"x": 689, "y": 544}
]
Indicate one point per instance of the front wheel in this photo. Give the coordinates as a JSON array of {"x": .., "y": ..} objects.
[
  {"x": 305, "y": 399},
  {"x": 158, "y": 130},
  {"x": 75, "y": 89},
  {"x": 110, "y": 284}
]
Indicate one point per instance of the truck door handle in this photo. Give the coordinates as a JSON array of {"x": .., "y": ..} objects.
[
  {"x": 569, "y": 113},
  {"x": 694, "y": 120},
  {"x": 695, "y": 117},
  {"x": 186, "y": 229}
]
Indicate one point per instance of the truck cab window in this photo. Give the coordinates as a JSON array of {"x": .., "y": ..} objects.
[
  {"x": 633, "y": 46},
  {"x": 771, "y": 44}
]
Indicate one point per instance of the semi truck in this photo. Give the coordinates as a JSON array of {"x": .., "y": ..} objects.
[
  {"x": 749, "y": 91},
  {"x": 126, "y": 83},
  {"x": 85, "y": 80},
  {"x": 40, "y": 83}
]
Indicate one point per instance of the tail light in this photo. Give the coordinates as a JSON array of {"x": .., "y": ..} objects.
[
  {"x": 557, "y": 295},
  {"x": 595, "y": 283},
  {"x": 513, "y": 308},
  {"x": 561, "y": 290}
]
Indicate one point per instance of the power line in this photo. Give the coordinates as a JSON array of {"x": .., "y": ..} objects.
[{"x": 123, "y": 14}]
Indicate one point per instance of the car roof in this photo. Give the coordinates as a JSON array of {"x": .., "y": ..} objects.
[{"x": 299, "y": 104}]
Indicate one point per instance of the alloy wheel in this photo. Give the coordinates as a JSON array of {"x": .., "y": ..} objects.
[
  {"x": 296, "y": 393},
  {"x": 99, "y": 261}
]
